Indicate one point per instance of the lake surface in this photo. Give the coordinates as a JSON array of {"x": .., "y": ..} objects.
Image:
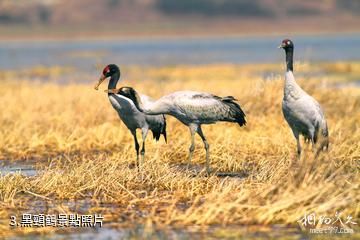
[{"x": 85, "y": 55}]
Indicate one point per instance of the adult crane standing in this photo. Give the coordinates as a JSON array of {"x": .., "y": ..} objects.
[
  {"x": 129, "y": 114},
  {"x": 302, "y": 112},
  {"x": 193, "y": 109}
]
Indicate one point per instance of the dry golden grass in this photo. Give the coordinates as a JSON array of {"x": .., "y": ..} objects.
[{"x": 84, "y": 153}]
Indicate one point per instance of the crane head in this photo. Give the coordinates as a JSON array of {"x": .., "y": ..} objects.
[
  {"x": 108, "y": 71},
  {"x": 286, "y": 43}
]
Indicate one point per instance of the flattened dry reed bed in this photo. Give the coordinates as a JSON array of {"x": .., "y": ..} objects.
[{"x": 89, "y": 153}]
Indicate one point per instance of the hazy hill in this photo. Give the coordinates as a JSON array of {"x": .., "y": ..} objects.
[{"x": 117, "y": 14}]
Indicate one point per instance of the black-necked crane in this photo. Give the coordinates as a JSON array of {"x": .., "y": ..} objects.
[
  {"x": 193, "y": 109},
  {"x": 129, "y": 114},
  {"x": 302, "y": 112}
]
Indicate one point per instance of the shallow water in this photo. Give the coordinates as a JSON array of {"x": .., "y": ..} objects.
[
  {"x": 86, "y": 54},
  {"x": 26, "y": 168}
]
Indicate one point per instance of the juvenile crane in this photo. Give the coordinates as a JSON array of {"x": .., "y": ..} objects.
[
  {"x": 193, "y": 109},
  {"x": 129, "y": 114},
  {"x": 302, "y": 112}
]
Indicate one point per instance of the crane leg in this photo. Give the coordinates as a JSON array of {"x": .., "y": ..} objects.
[
  {"x": 137, "y": 147},
  {"x": 298, "y": 146},
  {"x": 207, "y": 147},
  {"x": 193, "y": 129},
  {"x": 144, "y": 133},
  {"x": 313, "y": 140},
  {"x": 313, "y": 145},
  {"x": 296, "y": 135}
]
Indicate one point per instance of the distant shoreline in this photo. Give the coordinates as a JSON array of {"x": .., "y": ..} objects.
[
  {"x": 183, "y": 29},
  {"x": 109, "y": 37}
]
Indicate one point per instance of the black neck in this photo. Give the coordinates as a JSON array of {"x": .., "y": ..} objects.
[
  {"x": 289, "y": 58},
  {"x": 113, "y": 80}
]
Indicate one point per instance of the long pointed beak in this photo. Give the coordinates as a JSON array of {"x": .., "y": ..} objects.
[
  {"x": 281, "y": 46},
  {"x": 102, "y": 78}
]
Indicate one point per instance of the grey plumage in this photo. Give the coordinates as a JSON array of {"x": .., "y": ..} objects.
[
  {"x": 156, "y": 123},
  {"x": 134, "y": 119},
  {"x": 129, "y": 114},
  {"x": 302, "y": 112},
  {"x": 194, "y": 109}
]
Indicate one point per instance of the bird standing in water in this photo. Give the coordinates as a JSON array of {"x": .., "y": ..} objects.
[
  {"x": 302, "y": 112},
  {"x": 129, "y": 114}
]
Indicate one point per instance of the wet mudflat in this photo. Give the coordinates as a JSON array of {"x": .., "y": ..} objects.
[{"x": 23, "y": 167}]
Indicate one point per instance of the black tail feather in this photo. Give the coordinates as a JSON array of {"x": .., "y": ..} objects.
[
  {"x": 160, "y": 130},
  {"x": 156, "y": 134},
  {"x": 235, "y": 109},
  {"x": 164, "y": 129}
]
